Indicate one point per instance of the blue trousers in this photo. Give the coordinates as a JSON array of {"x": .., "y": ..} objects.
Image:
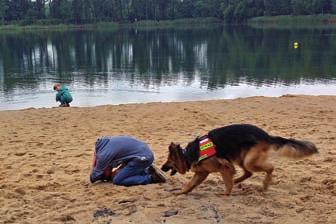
[
  {"x": 134, "y": 173},
  {"x": 63, "y": 100}
]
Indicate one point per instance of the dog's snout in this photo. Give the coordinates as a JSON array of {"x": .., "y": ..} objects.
[
  {"x": 173, "y": 172},
  {"x": 165, "y": 167}
]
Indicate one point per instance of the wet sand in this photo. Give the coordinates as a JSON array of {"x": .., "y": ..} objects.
[{"x": 45, "y": 156}]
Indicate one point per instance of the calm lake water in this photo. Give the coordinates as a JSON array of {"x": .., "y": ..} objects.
[{"x": 147, "y": 65}]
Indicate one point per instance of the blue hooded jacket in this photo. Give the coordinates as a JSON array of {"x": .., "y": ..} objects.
[
  {"x": 113, "y": 151},
  {"x": 63, "y": 95}
]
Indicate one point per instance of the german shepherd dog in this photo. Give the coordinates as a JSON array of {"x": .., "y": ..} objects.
[{"x": 242, "y": 144}]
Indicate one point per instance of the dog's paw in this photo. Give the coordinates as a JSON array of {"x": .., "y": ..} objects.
[
  {"x": 265, "y": 186},
  {"x": 227, "y": 193}
]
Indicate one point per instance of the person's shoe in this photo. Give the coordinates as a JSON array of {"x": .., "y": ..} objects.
[{"x": 157, "y": 175}]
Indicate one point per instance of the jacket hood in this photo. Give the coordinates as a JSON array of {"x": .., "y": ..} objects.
[{"x": 63, "y": 88}]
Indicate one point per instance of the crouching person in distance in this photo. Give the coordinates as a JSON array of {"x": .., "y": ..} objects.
[
  {"x": 63, "y": 95},
  {"x": 124, "y": 161}
]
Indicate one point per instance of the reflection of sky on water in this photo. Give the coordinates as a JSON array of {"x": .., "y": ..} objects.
[
  {"x": 120, "y": 92},
  {"x": 127, "y": 66}
]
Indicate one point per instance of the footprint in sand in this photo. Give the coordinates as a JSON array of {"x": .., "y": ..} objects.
[
  {"x": 329, "y": 183},
  {"x": 103, "y": 213},
  {"x": 9, "y": 167},
  {"x": 305, "y": 179},
  {"x": 15, "y": 141},
  {"x": 328, "y": 160},
  {"x": 169, "y": 213},
  {"x": 20, "y": 191},
  {"x": 20, "y": 153},
  {"x": 65, "y": 219},
  {"x": 50, "y": 171},
  {"x": 132, "y": 209},
  {"x": 81, "y": 154},
  {"x": 70, "y": 172},
  {"x": 27, "y": 174}
]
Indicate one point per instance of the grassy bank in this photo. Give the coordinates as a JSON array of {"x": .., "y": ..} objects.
[
  {"x": 109, "y": 25},
  {"x": 326, "y": 20},
  {"x": 175, "y": 22},
  {"x": 57, "y": 27}
]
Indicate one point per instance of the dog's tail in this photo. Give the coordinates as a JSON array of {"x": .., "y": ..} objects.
[{"x": 293, "y": 148}]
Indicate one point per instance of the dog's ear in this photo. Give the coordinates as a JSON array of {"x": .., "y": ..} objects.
[{"x": 172, "y": 147}]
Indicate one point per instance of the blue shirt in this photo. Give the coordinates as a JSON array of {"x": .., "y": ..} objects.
[{"x": 112, "y": 151}]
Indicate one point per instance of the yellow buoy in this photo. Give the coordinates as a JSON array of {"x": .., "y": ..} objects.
[{"x": 296, "y": 45}]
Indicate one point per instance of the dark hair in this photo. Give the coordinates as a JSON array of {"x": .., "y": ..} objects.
[{"x": 55, "y": 86}]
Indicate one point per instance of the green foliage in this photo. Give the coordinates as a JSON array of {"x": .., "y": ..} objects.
[
  {"x": 321, "y": 6},
  {"x": 241, "y": 10},
  {"x": 302, "y": 7},
  {"x": 277, "y": 7},
  {"x": 229, "y": 13},
  {"x": 302, "y": 21},
  {"x": 61, "y": 9},
  {"x": 176, "y": 22},
  {"x": 125, "y": 11},
  {"x": 308, "y": 7},
  {"x": 3, "y": 9}
]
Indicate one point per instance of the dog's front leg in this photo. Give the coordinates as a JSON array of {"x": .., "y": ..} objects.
[
  {"x": 228, "y": 181},
  {"x": 197, "y": 179}
]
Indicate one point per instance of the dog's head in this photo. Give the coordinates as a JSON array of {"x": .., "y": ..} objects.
[{"x": 175, "y": 161}]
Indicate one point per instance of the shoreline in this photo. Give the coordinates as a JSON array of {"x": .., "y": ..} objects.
[
  {"x": 166, "y": 102},
  {"x": 111, "y": 25},
  {"x": 291, "y": 21},
  {"x": 45, "y": 156},
  {"x": 281, "y": 21}
]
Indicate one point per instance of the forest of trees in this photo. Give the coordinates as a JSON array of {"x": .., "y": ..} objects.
[{"x": 91, "y": 11}]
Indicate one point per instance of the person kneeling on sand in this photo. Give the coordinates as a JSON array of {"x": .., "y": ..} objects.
[
  {"x": 124, "y": 161},
  {"x": 63, "y": 95}
]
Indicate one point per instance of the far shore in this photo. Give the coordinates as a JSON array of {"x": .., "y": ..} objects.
[
  {"x": 290, "y": 21},
  {"x": 287, "y": 21},
  {"x": 38, "y": 25}
]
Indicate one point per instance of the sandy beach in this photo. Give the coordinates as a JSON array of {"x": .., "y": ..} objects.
[{"x": 45, "y": 156}]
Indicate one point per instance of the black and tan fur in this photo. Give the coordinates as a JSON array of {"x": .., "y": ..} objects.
[{"x": 245, "y": 145}]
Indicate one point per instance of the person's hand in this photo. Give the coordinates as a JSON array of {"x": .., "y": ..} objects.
[
  {"x": 114, "y": 173},
  {"x": 117, "y": 170}
]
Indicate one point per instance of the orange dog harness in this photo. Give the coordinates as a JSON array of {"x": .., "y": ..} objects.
[{"x": 207, "y": 148}]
